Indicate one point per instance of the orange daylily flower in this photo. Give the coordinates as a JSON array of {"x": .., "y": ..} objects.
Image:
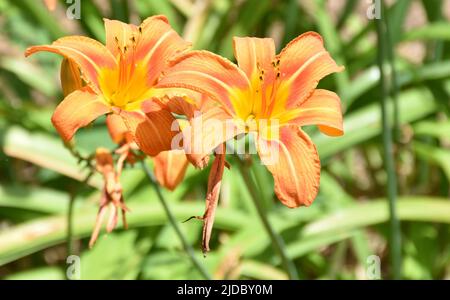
[
  {"x": 269, "y": 95},
  {"x": 278, "y": 89},
  {"x": 120, "y": 77}
]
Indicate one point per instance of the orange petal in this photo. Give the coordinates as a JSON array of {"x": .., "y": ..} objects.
[
  {"x": 179, "y": 106},
  {"x": 70, "y": 77},
  {"x": 118, "y": 34},
  {"x": 303, "y": 62},
  {"x": 157, "y": 44},
  {"x": 254, "y": 55},
  {"x": 206, "y": 131},
  {"x": 90, "y": 55},
  {"x": 151, "y": 127},
  {"x": 51, "y": 4},
  {"x": 188, "y": 104},
  {"x": 210, "y": 74},
  {"x": 323, "y": 108},
  {"x": 116, "y": 128},
  {"x": 294, "y": 163},
  {"x": 170, "y": 167},
  {"x": 77, "y": 110}
]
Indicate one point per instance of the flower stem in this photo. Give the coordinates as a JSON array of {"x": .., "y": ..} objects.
[
  {"x": 390, "y": 43},
  {"x": 277, "y": 240},
  {"x": 173, "y": 222},
  {"x": 70, "y": 248},
  {"x": 395, "y": 238}
]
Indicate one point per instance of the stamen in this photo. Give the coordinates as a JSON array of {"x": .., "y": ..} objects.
[{"x": 276, "y": 84}]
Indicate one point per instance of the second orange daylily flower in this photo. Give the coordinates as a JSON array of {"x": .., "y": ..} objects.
[
  {"x": 120, "y": 77},
  {"x": 271, "y": 96}
]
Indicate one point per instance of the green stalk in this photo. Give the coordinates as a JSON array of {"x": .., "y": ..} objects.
[
  {"x": 395, "y": 238},
  {"x": 277, "y": 240},
  {"x": 393, "y": 74},
  {"x": 70, "y": 225},
  {"x": 173, "y": 222}
]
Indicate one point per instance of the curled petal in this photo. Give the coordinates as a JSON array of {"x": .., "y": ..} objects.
[
  {"x": 151, "y": 127},
  {"x": 294, "y": 163},
  {"x": 185, "y": 102},
  {"x": 212, "y": 196},
  {"x": 116, "y": 128},
  {"x": 170, "y": 168},
  {"x": 303, "y": 62},
  {"x": 210, "y": 74},
  {"x": 70, "y": 77},
  {"x": 91, "y": 56},
  {"x": 323, "y": 108},
  {"x": 77, "y": 110},
  {"x": 104, "y": 161}
]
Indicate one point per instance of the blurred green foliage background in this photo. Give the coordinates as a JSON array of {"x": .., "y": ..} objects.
[{"x": 348, "y": 222}]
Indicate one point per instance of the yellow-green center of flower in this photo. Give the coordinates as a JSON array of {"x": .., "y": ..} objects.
[{"x": 127, "y": 85}]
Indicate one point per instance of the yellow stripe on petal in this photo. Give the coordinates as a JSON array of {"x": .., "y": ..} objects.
[{"x": 255, "y": 56}]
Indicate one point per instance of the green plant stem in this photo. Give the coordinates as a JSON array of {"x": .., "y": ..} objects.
[
  {"x": 277, "y": 240},
  {"x": 395, "y": 238},
  {"x": 70, "y": 225},
  {"x": 173, "y": 222},
  {"x": 393, "y": 73}
]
